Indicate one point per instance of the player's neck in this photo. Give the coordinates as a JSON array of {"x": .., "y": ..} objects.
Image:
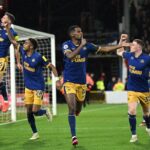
[
  {"x": 138, "y": 53},
  {"x": 29, "y": 53},
  {"x": 76, "y": 42}
]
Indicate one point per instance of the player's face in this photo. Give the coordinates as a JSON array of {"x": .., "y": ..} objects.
[
  {"x": 27, "y": 45},
  {"x": 5, "y": 19},
  {"x": 77, "y": 34},
  {"x": 134, "y": 47}
]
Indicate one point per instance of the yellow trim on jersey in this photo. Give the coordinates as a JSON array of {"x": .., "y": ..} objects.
[
  {"x": 44, "y": 58},
  {"x": 67, "y": 50},
  {"x": 26, "y": 66}
]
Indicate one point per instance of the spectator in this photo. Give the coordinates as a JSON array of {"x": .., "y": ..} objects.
[
  {"x": 111, "y": 84},
  {"x": 89, "y": 83},
  {"x": 119, "y": 86}
]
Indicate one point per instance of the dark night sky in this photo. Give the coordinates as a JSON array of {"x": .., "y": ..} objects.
[{"x": 55, "y": 16}]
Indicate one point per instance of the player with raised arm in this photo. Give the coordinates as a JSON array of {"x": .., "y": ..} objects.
[
  {"x": 75, "y": 53},
  {"x": 137, "y": 86},
  {"x": 8, "y": 19},
  {"x": 33, "y": 63}
]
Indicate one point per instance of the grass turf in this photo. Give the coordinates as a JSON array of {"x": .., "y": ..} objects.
[{"x": 99, "y": 127}]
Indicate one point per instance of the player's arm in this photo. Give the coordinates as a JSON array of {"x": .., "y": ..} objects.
[
  {"x": 16, "y": 46},
  {"x": 123, "y": 40},
  {"x": 54, "y": 70},
  {"x": 72, "y": 54},
  {"x": 110, "y": 48},
  {"x": 17, "y": 54}
]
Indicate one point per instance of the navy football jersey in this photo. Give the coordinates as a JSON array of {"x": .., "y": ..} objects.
[
  {"x": 33, "y": 70},
  {"x": 75, "y": 69},
  {"x": 138, "y": 69},
  {"x": 5, "y": 42}
]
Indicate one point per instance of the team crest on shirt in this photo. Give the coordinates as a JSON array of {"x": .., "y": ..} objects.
[
  {"x": 84, "y": 48},
  {"x": 132, "y": 58},
  {"x": 33, "y": 60},
  {"x": 65, "y": 46},
  {"x": 142, "y": 61}
]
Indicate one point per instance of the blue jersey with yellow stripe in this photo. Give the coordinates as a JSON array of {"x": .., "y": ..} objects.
[
  {"x": 138, "y": 72},
  {"x": 75, "y": 69},
  {"x": 5, "y": 42},
  {"x": 33, "y": 70}
]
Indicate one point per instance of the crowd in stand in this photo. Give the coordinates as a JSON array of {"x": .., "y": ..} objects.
[{"x": 140, "y": 21}]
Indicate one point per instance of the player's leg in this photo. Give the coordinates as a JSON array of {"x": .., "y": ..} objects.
[
  {"x": 132, "y": 120},
  {"x": 70, "y": 92},
  {"x": 31, "y": 121},
  {"x": 5, "y": 104},
  {"x": 38, "y": 100},
  {"x": 146, "y": 115},
  {"x": 3, "y": 66},
  {"x": 132, "y": 106},
  {"x": 29, "y": 99},
  {"x": 143, "y": 121},
  {"x": 71, "y": 101},
  {"x": 81, "y": 94}
]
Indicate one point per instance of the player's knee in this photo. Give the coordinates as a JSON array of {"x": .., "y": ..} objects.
[
  {"x": 132, "y": 111},
  {"x": 131, "y": 116},
  {"x": 72, "y": 111},
  {"x": 2, "y": 85}
]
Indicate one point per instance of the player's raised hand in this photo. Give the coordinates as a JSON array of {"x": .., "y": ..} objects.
[
  {"x": 124, "y": 44},
  {"x": 5, "y": 24},
  {"x": 83, "y": 41},
  {"x": 124, "y": 37}
]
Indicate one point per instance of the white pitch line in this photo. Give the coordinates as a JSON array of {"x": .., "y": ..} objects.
[{"x": 2, "y": 124}]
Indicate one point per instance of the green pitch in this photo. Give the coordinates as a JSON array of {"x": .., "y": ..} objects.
[{"x": 99, "y": 127}]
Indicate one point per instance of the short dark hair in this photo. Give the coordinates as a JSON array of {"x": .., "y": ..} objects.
[
  {"x": 140, "y": 42},
  {"x": 10, "y": 16},
  {"x": 34, "y": 43},
  {"x": 72, "y": 28}
]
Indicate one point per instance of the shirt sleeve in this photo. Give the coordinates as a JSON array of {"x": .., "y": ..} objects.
[
  {"x": 15, "y": 34},
  {"x": 92, "y": 47},
  {"x": 65, "y": 48},
  {"x": 21, "y": 50},
  {"x": 44, "y": 61},
  {"x": 127, "y": 55}
]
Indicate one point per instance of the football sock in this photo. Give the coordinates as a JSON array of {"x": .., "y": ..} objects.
[
  {"x": 147, "y": 121},
  {"x": 132, "y": 122},
  {"x": 40, "y": 112},
  {"x": 72, "y": 124},
  {"x": 31, "y": 121}
]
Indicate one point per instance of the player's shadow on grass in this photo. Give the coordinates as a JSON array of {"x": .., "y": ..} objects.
[
  {"x": 143, "y": 146},
  {"x": 37, "y": 144},
  {"x": 78, "y": 148}
]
